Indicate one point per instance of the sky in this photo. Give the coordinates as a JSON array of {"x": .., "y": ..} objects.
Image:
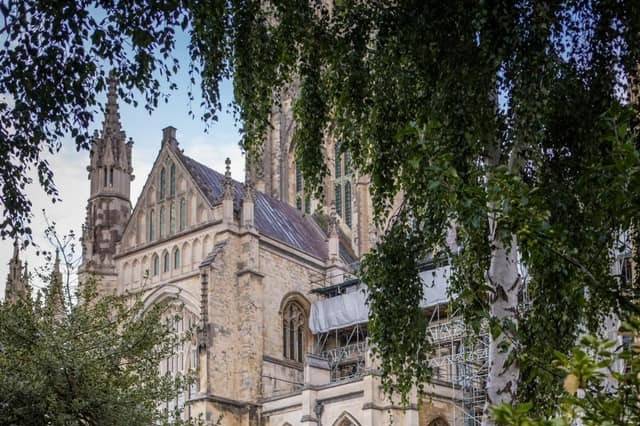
[{"x": 210, "y": 145}]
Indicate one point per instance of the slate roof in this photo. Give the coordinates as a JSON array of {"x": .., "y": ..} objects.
[{"x": 273, "y": 218}]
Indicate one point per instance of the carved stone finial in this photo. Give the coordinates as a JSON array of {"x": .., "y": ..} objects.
[
  {"x": 228, "y": 183},
  {"x": 333, "y": 220}
]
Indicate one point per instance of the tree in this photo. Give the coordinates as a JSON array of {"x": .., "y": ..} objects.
[
  {"x": 588, "y": 396},
  {"x": 92, "y": 363},
  {"x": 509, "y": 122},
  {"x": 506, "y": 121}
]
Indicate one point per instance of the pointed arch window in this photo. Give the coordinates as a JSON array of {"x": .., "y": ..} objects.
[
  {"x": 343, "y": 181},
  {"x": 155, "y": 265},
  {"x": 172, "y": 219},
  {"x": 299, "y": 188},
  {"x": 176, "y": 258},
  {"x": 161, "y": 222},
  {"x": 183, "y": 214},
  {"x": 293, "y": 331},
  {"x": 172, "y": 180},
  {"x": 151, "y": 229},
  {"x": 166, "y": 262},
  {"x": 105, "y": 173},
  {"x": 163, "y": 183},
  {"x": 347, "y": 204}
]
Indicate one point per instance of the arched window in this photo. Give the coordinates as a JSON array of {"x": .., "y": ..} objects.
[
  {"x": 293, "y": 331},
  {"x": 184, "y": 358},
  {"x": 343, "y": 178},
  {"x": 161, "y": 222},
  {"x": 299, "y": 188},
  {"x": 166, "y": 262},
  {"x": 346, "y": 419},
  {"x": 172, "y": 180},
  {"x": 163, "y": 183},
  {"x": 338, "y": 161},
  {"x": 439, "y": 421},
  {"x": 172, "y": 219},
  {"x": 156, "y": 265},
  {"x": 183, "y": 214},
  {"x": 176, "y": 258},
  {"x": 347, "y": 203},
  {"x": 151, "y": 230}
]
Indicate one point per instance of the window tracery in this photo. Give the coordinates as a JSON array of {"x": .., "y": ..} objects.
[
  {"x": 166, "y": 262},
  {"x": 293, "y": 331},
  {"x": 176, "y": 258},
  {"x": 172, "y": 180},
  {"x": 155, "y": 265},
  {"x": 183, "y": 214},
  {"x": 163, "y": 183},
  {"x": 161, "y": 222},
  {"x": 172, "y": 219},
  {"x": 184, "y": 359},
  {"x": 342, "y": 186},
  {"x": 151, "y": 230}
]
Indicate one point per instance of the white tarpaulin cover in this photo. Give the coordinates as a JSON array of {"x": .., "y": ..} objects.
[
  {"x": 351, "y": 308},
  {"x": 338, "y": 312},
  {"x": 434, "y": 286}
]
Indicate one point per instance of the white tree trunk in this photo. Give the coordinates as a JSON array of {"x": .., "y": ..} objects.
[{"x": 505, "y": 281}]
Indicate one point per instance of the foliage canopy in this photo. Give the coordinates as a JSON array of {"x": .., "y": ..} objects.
[{"x": 97, "y": 364}]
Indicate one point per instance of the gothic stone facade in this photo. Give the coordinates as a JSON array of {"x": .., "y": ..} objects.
[{"x": 240, "y": 261}]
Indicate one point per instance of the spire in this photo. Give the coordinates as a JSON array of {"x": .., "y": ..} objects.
[
  {"x": 228, "y": 195},
  {"x": 55, "y": 296},
  {"x": 16, "y": 287},
  {"x": 111, "y": 124}
]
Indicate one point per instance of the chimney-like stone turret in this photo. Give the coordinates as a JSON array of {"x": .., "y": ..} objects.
[
  {"x": 17, "y": 285},
  {"x": 109, "y": 206}
]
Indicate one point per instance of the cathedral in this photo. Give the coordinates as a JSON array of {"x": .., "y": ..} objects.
[{"x": 267, "y": 276}]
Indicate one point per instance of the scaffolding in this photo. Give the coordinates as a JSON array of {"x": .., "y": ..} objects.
[
  {"x": 460, "y": 359},
  {"x": 460, "y": 355},
  {"x": 344, "y": 350}
]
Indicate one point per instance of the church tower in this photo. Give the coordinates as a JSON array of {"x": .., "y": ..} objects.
[
  {"x": 109, "y": 205},
  {"x": 17, "y": 286}
]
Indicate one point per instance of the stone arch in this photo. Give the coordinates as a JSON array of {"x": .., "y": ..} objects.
[
  {"x": 145, "y": 269},
  {"x": 438, "y": 421},
  {"x": 295, "y": 296},
  {"x": 165, "y": 263},
  {"x": 171, "y": 292},
  {"x": 126, "y": 273},
  {"x": 155, "y": 265},
  {"x": 176, "y": 258},
  {"x": 296, "y": 336},
  {"x": 207, "y": 245},
  {"x": 135, "y": 271},
  {"x": 346, "y": 419},
  {"x": 186, "y": 255},
  {"x": 196, "y": 251}
]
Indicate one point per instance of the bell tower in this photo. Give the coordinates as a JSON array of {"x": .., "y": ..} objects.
[{"x": 109, "y": 205}]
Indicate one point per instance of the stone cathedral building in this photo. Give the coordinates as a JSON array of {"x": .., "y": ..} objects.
[{"x": 263, "y": 271}]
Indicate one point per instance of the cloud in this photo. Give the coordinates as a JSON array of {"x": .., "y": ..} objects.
[{"x": 214, "y": 153}]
